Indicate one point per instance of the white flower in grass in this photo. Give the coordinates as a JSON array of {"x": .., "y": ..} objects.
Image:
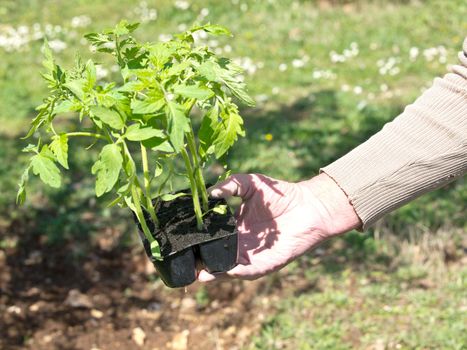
[
  {"x": 204, "y": 12},
  {"x": 384, "y": 87},
  {"x": 213, "y": 43},
  {"x": 298, "y": 63},
  {"x": 227, "y": 48},
  {"x": 80, "y": 21},
  {"x": 57, "y": 45},
  {"x": 182, "y": 4},
  {"x": 282, "y": 67},
  {"x": 275, "y": 90},
  {"x": 357, "y": 90},
  {"x": 165, "y": 37},
  {"x": 199, "y": 35},
  {"x": 345, "y": 87},
  {"x": 101, "y": 72},
  {"x": 243, "y": 7},
  {"x": 182, "y": 27},
  {"x": 413, "y": 53}
]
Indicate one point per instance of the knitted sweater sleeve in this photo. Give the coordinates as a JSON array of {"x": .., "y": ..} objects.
[{"x": 422, "y": 149}]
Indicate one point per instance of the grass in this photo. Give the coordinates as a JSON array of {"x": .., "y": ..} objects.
[{"x": 326, "y": 75}]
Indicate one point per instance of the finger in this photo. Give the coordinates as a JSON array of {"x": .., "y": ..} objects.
[
  {"x": 236, "y": 185},
  {"x": 244, "y": 272},
  {"x": 205, "y": 276}
]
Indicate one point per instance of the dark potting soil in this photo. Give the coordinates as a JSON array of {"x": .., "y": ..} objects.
[{"x": 177, "y": 225}]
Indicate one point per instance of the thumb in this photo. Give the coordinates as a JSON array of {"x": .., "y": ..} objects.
[{"x": 236, "y": 185}]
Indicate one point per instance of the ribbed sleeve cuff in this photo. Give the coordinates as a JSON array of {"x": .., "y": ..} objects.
[{"x": 422, "y": 149}]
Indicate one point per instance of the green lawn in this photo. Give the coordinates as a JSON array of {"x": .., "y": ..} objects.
[{"x": 325, "y": 78}]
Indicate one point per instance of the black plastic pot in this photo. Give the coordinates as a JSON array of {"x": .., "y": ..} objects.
[
  {"x": 219, "y": 255},
  {"x": 184, "y": 247}
]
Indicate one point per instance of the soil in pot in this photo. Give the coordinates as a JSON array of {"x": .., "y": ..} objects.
[{"x": 183, "y": 245}]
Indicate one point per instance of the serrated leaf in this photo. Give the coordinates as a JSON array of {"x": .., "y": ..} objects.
[
  {"x": 66, "y": 106},
  {"x": 31, "y": 148},
  {"x": 21, "y": 194},
  {"x": 159, "y": 54},
  {"x": 238, "y": 89},
  {"x": 59, "y": 147},
  {"x": 227, "y": 130},
  {"x": 43, "y": 165},
  {"x": 77, "y": 87},
  {"x": 137, "y": 133},
  {"x": 206, "y": 131},
  {"x": 216, "y": 29},
  {"x": 48, "y": 61},
  {"x": 178, "y": 68},
  {"x": 209, "y": 70},
  {"x": 107, "y": 168},
  {"x": 108, "y": 116},
  {"x": 91, "y": 73},
  {"x": 178, "y": 125},
  {"x": 193, "y": 91},
  {"x": 146, "y": 106}
]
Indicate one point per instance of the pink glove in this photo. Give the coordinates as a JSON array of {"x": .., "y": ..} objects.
[{"x": 278, "y": 221}]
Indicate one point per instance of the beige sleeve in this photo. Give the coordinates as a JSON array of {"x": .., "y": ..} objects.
[{"x": 422, "y": 149}]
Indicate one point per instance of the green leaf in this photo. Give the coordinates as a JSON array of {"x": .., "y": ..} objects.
[
  {"x": 178, "y": 125},
  {"x": 216, "y": 29},
  {"x": 59, "y": 147},
  {"x": 91, "y": 73},
  {"x": 238, "y": 89},
  {"x": 156, "y": 250},
  {"x": 170, "y": 197},
  {"x": 36, "y": 123},
  {"x": 209, "y": 70},
  {"x": 48, "y": 61},
  {"x": 77, "y": 87},
  {"x": 21, "y": 194},
  {"x": 66, "y": 106},
  {"x": 178, "y": 68},
  {"x": 43, "y": 165},
  {"x": 206, "y": 130},
  {"x": 137, "y": 133},
  {"x": 193, "y": 91},
  {"x": 107, "y": 168},
  {"x": 123, "y": 28},
  {"x": 159, "y": 170},
  {"x": 159, "y": 54},
  {"x": 220, "y": 209},
  {"x": 227, "y": 130},
  {"x": 146, "y": 106},
  {"x": 108, "y": 116}
]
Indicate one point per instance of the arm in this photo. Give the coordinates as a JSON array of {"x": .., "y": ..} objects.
[{"x": 422, "y": 149}]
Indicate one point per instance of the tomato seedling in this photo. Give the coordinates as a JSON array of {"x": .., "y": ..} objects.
[{"x": 151, "y": 104}]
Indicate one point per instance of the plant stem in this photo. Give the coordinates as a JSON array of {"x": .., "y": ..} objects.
[
  {"x": 139, "y": 213},
  {"x": 147, "y": 185},
  {"x": 89, "y": 134},
  {"x": 194, "y": 190},
  {"x": 198, "y": 173}
]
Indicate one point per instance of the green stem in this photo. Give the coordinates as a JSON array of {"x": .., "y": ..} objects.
[
  {"x": 194, "y": 190},
  {"x": 139, "y": 213},
  {"x": 198, "y": 173},
  {"x": 147, "y": 185},
  {"x": 89, "y": 134}
]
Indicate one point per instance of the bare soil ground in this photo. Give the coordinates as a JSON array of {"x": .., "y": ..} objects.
[{"x": 110, "y": 299}]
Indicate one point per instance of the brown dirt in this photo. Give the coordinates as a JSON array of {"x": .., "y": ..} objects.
[{"x": 111, "y": 299}]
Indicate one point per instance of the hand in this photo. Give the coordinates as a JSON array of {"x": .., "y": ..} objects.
[{"x": 278, "y": 221}]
